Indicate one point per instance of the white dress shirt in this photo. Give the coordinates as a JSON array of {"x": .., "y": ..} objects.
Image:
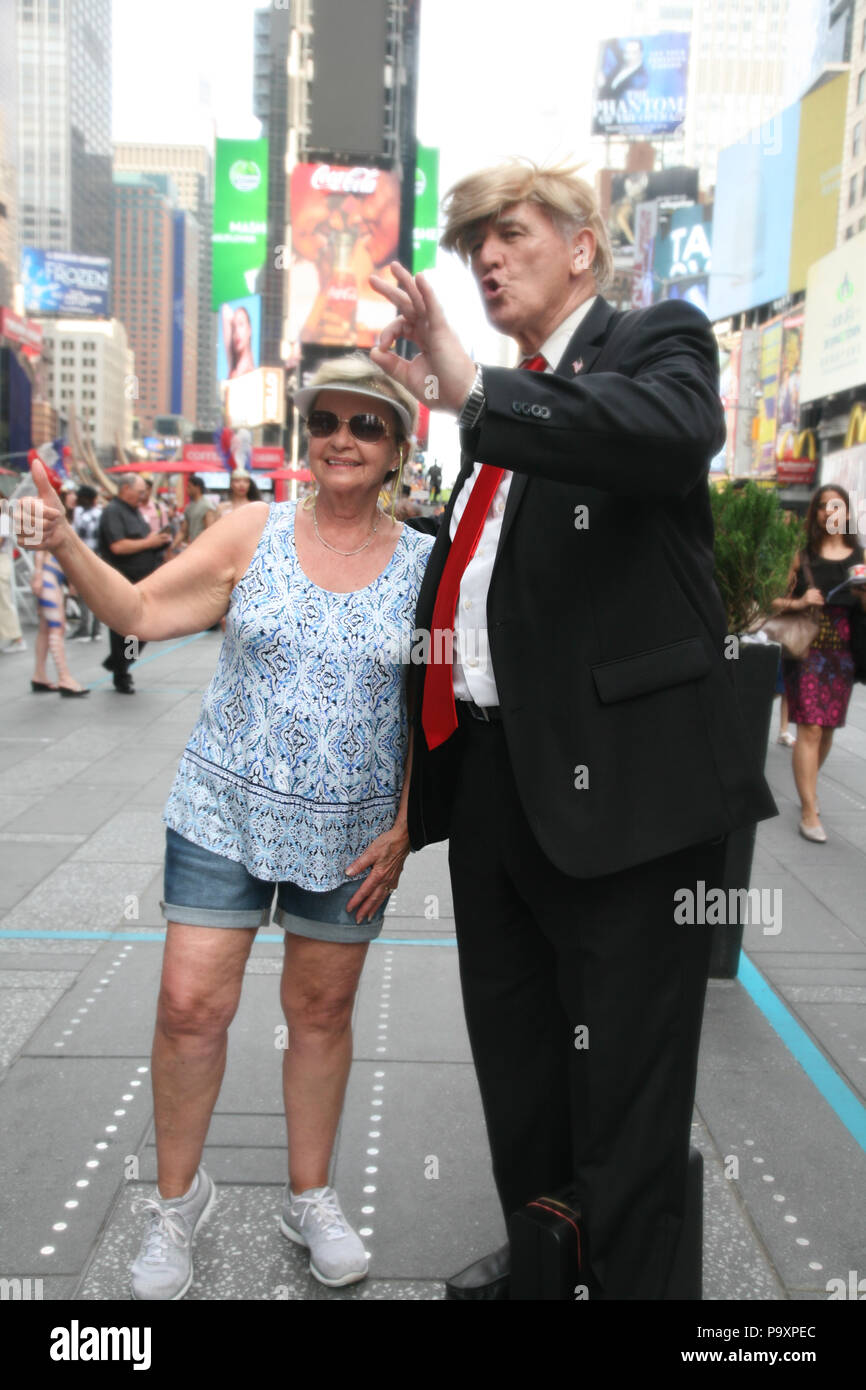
[{"x": 473, "y": 667}]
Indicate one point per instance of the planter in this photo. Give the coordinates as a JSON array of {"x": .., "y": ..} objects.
[{"x": 756, "y": 684}]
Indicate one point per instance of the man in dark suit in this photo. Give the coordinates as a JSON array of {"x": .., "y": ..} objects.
[{"x": 583, "y": 752}]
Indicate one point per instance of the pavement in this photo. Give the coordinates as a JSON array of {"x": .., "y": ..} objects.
[{"x": 779, "y": 1116}]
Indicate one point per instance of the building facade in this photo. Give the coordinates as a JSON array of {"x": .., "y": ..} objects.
[
  {"x": 87, "y": 364},
  {"x": 271, "y": 106},
  {"x": 144, "y": 285},
  {"x": 8, "y": 155},
  {"x": 64, "y": 124},
  {"x": 190, "y": 168},
  {"x": 852, "y": 196}
]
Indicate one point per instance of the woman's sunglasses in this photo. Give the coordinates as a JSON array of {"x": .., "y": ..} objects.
[{"x": 369, "y": 429}]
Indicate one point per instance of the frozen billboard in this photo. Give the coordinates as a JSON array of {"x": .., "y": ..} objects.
[
  {"x": 640, "y": 85},
  {"x": 59, "y": 282}
]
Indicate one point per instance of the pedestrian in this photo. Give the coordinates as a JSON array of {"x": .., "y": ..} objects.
[
  {"x": 86, "y": 518},
  {"x": 819, "y": 688},
  {"x": 11, "y": 640},
  {"x": 292, "y": 780},
  {"x": 434, "y": 481},
  {"x": 584, "y": 751},
  {"x": 199, "y": 514},
  {"x": 242, "y": 490},
  {"x": 127, "y": 543},
  {"x": 152, "y": 509},
  {"x": 50, "y": 585}
]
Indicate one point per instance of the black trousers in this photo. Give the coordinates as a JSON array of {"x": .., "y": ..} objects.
[
  {"x": 119, "y": 661},
  {"x": 584, "y": 1001}
]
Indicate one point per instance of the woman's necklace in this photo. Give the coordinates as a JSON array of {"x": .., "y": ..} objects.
[{"x": 328, "y": 545}]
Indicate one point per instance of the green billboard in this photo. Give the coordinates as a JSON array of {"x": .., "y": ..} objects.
[
  {"x": 240, "y": 218},
  {"x": 425, "y": 234}
]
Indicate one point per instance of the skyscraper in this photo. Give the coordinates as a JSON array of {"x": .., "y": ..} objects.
[
  {"x": 143, "y": 285},
  {"x": 190, "y": 168},
  {"x": 271, "y": 105},
  {"x": 746, "y": 58},
  {"x": 8, "y": 155},
  {"x": 64, "y": 124}
]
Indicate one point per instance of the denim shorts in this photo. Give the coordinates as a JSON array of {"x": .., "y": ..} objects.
[{"x": 203, "y": 889}]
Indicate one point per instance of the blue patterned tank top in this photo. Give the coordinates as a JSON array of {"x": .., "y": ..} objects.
[{"x": 296, "y": 762}]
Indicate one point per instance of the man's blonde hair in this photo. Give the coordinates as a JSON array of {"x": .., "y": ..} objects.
[{"x": 569, "y": 201}]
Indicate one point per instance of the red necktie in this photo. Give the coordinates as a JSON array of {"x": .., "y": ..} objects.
[{"x": 438, "y": 710}]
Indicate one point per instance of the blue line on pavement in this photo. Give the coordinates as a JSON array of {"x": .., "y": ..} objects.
[
  {"x": 820, "y": 1072},
  {"x": 154, "y": 656},
  {"x": 160, "y": 936}
]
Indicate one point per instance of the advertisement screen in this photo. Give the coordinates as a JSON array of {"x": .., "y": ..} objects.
[
  {"x": 425, "y": 234},
  {"x": 834, "y": 352},
  {"x": 240, "y": 334},
  {"x": 240, "y": 218},
  {"x": 752, "y": 217},
  {"x": 779, "y": 372},
  {"x": 816, "y": 194},
  {"x": 57, "y": 282},
  {"x": 640, "y": 85},
  {"x": 627, "y": 191},
  {"x": 345, "y": 226}
]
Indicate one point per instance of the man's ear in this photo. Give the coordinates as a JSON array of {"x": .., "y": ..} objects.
[{"x": 584, "y": 250}]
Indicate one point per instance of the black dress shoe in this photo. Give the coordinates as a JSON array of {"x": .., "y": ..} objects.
[
  {"x": 123, "y": 685},
  {"x": 487, "y": 1278}
]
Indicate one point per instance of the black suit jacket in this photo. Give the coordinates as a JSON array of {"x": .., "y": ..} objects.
[{"x": 607, "y": 638}]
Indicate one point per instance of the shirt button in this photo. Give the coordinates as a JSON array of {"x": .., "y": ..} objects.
[
  {"x": 499, "y": 508},
  {"x": 467, "y": 603},
  {"x": 473, "y": 661}
]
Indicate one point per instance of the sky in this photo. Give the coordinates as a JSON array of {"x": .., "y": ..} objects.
[{"x": 491, "y": 84}]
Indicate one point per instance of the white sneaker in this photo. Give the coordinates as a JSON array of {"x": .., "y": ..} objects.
[
  {"x": 314, "y": 1219},
  {"x": 14, "y": 648},
  {"x": 163, "y": 1267}
]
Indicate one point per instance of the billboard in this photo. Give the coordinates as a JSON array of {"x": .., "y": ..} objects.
[
  {"x": 640, "y": 85},
  {"x": 628, "y": 190},
  {"x": 345, "y": 225},
  {"x": 58, "y": 282},
  {"x": 779, "y": 372},
  {"x": 834, "y": 351},
  {"x": 425, "y": 233},
  {"x": 240, "y": 336},
  {"x": 683, "y": 256},
  {"x": 258, "y": 398},
  {"x": 240, "y": 219},
  {"x": 816, "y": 191}
]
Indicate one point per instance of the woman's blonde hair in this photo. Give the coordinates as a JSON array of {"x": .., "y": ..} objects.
[
  {"x": 357, "y": 370},
  {"x": 569, "y": 201}
]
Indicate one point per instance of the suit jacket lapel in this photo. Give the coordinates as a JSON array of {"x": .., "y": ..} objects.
[{"x": 579, "y": 357}]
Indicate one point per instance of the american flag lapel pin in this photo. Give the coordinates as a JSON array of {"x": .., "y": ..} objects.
[{"x": 577, "y": 366}]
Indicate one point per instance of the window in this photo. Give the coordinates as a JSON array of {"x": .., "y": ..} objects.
[
  {"x": 849, "y": 232},
  {"x": 863, "y": 185},
  {"x": 861, "y": 224},
  {"x": 857, "y": 140},
  {"x": 861, "y": 87},
  {"x": 863, "y": 38},
  {"x": 852, "y": 191}
]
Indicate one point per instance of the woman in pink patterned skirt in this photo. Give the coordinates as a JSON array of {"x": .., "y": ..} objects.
[{"x": 819, "y": 688}]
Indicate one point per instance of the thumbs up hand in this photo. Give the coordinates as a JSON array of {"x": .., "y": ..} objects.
[{"x": 39, "y": 523}]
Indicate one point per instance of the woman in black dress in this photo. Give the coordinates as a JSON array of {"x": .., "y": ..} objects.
[{"x": 819, "y": 688}]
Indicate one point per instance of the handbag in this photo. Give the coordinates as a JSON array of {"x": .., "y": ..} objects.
[{"x": 795, "y": 631}]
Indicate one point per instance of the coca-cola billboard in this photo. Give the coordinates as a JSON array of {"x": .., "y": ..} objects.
[{"x": 345, "y": 222}]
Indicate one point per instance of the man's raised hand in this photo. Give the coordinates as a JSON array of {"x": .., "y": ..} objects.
[{"x": 442, "y": 374}]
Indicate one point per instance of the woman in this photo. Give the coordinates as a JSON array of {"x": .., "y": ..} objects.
[
  {"x": 49, "y": 585},
  {"x": 293, "y": 779},
  {"x": 238, "y": 340},
  {"x": 242, "y": 490},
  {"x": 819, "y": 688},
  {"x": 86, "y": 523}
]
